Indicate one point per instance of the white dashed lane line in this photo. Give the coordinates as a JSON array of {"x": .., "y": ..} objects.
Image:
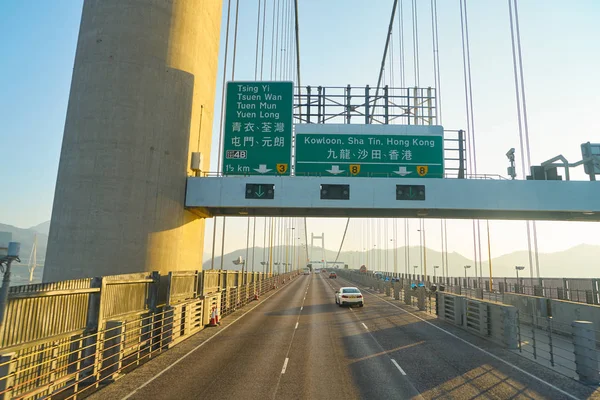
[
  {"x": 284, "y": 365},
  {"x": 399, "y": 367}
]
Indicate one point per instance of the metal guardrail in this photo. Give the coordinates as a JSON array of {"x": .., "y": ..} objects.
[
  {"x": 66, "y": 339},
  {"x": 569, "y": 347}
]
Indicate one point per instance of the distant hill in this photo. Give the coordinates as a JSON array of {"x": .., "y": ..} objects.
[
  {"x": 582, "y": 261},
  {"x": 44, "y": 228}
]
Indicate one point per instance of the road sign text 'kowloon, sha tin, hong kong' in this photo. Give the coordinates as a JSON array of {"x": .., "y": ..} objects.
[
  {"x": 394, "y": 151},
  {"x": 258, "y": 128}
]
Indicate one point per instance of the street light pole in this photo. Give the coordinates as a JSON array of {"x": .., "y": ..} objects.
[
  {"x": 434, "y": 268},
  {"x": 518, "y": 268},
  {"x": 467, "y": 279},
  {"x": 395, "y": 257}
]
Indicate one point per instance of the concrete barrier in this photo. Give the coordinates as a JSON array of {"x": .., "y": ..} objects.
[
  {"x": 497, "y": 322},
  {"x": 563, "y": 312}
]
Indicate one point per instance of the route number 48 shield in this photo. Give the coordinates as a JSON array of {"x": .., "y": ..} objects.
[
  {"x": 422, "y": 170},
  {"x": 355, "y": 169},
  {"x": 282, "y": 168}
]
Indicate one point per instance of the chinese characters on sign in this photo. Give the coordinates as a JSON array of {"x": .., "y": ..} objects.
[
  {"x": 258, "y": 128},
  {"x": 386, "y": 151}
]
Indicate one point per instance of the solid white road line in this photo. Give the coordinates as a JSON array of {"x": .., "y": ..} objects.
[
  {"x": 399, "y": 367},
  {"x": 284, "y": 365}
]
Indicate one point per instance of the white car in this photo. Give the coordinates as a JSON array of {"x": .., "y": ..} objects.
[{"x": 349, "y": 296}]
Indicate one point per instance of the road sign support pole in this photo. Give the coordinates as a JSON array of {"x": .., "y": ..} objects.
[
  {"x": 386, "y": 104},
  {"x": 367, "y": 106},
  {"x": 308, "y": 101},
  {"x": 348, "y": 104},
  {"x": 319, "y": 103},
  {"x": 416, "y": 105},
  {"x": 461, "y": 152}
]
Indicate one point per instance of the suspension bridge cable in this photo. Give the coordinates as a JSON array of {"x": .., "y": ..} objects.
[
  {"x": 526, "y": 131},
  {"x": 469, "y": 109},
  {"x": 415, "y": 28},
  {"x": 297, "y": 30},
  {"x": 237, "y": 7},
  {"x": 257, "y": 42},
  {"x": 385, "y": 49},
  {"x": 522, "y": 125},
  {"x": 438, "y": 98},
  {"x": 212, "y": 262},
  {"x": 401, "y": 43},
  {"x": 262, "y": 46}
]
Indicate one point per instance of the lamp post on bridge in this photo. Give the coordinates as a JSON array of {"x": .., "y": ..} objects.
[
  {"x": 423, "y": 251},
  {"x": 415, "y": 267},
  {"x": 518, "y": 268},
  {"x": 434, "y": 268},
  {"x": 467, "y": 279}
]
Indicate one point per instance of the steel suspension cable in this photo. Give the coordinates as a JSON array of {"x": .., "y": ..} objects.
[
  {"x": 237, "y": 7},
  {"x": 525, "y": 151},
  {"x": 262, "y": 46},
  {"x": 473, "y": 132},
  {"x": 415, "y": 28},
  {"x": 401, "y": 43},
  {"x": 438, "y": 99},
  {"x": 526, "y": 131},
  {"x": 214, "y": 239},
  {"x": 385, "y": 49}
]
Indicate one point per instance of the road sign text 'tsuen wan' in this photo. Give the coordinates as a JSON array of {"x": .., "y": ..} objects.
[{"x": 258, "y": 128}]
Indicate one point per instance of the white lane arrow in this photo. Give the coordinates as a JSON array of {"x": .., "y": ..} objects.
[
  {"x": 402, "y": 171},
  {"x": 335, "y": 169},
  {"x": 262, "y": 169}
]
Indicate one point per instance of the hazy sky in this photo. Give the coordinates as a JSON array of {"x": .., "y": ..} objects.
[{"x": 341, "y": 43}]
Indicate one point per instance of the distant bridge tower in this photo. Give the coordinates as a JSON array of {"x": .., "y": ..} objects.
[
  {"x": 141, "y": 101},
  {"x": 322, "y": 239}
]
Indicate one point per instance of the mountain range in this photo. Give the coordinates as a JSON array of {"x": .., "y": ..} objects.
[{"x": 582, "y": 261}]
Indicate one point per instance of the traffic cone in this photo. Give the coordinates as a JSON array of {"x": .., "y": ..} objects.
[{"x": 213, "y": 317}]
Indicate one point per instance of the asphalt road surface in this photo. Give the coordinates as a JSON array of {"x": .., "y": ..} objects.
[{"x": 298, "y": 344}]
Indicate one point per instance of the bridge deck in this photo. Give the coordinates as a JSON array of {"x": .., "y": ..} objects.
[{"x": 299, "y": 344}]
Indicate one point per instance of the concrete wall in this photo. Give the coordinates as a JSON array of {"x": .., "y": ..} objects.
[
  {"x": 142, "y": 97},
  {"x": 563, "y": 312}
]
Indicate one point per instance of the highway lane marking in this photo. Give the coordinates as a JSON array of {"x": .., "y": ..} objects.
[
  {"x": 202, "y": 344},
  {"x": 284, "y": 365},
  {"x": 478, "y": 348},
  {"x": 296, "y": 325},
  {"x": 301, "y": 308},
  {"x": 399, "y": 367},
  {"x": 364, "y": 325}
]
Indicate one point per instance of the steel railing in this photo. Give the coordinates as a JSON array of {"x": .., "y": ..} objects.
[{"x": 114, "y": 339}]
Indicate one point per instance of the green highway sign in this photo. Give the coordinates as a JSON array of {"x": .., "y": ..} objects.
[
  {"x": 258, "y": 128},
  {"x": 398, "y": 151}
]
